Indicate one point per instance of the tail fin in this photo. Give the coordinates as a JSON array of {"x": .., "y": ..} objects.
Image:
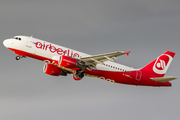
[{"x": 159, "y": 66}]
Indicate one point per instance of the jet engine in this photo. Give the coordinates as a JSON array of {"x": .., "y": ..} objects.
[
  {"x": 69, "y": 62},
  {"x": 51, "y": 69}
]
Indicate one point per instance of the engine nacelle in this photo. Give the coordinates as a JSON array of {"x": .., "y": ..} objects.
[
  {"x": 51, "y": 69},
  {"x": 69, "y": 62}
]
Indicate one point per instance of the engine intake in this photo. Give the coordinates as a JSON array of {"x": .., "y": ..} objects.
[{"x": 51, "y": 69}]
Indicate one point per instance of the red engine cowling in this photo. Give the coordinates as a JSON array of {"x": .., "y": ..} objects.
[
  {"x": 69, "y": 62},
  {"x": 51, "y": 69}
]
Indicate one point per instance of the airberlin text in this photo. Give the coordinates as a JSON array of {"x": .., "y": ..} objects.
[{"x": 53, "y": 49}]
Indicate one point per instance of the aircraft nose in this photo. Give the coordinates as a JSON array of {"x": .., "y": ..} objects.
[{"x": 5, "y": 42}]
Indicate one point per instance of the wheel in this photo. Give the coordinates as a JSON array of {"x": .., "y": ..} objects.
[
  {"x": 18, "y": 57},
  {"x": 80, "y": 74}
]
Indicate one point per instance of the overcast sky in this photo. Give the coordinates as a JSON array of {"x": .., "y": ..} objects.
[{"x": 147, "y": 28}]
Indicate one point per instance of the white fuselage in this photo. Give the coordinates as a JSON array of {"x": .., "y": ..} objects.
[{"x": 41, "y": 48}]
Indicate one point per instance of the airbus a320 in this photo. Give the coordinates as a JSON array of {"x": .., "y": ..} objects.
[{"x": 60, "y": 61}]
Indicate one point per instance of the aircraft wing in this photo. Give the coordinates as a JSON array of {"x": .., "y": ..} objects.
[{"x": 92, "y": 61}]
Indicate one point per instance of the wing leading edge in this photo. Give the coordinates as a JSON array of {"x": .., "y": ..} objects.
[{"x": 92, "y": 61}]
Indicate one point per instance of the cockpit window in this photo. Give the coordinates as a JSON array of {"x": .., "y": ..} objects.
[{"x": 17, "y": 38}]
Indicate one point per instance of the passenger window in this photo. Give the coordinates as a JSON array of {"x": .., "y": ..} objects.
[{"x": 52, "y": 48}]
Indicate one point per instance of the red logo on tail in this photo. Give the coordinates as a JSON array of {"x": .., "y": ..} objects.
[{"x": 162, "y": 63}]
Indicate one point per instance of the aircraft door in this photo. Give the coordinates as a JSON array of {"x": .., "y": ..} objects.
[
  {"x": 138, "y": 75},
  {"x": 29, "y": 42}
]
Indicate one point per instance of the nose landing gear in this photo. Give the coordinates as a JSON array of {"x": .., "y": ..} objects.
[{"x": 19, "y": 57}]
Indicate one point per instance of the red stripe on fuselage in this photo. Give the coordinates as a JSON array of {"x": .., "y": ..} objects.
[
  {"x": 20, "y": 52},
  {"x": 118, "y": 77},
  {"x": 130, "y": 78}
]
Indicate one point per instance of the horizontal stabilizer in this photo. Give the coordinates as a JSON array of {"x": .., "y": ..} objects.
[{"x": 163, "y": 79}]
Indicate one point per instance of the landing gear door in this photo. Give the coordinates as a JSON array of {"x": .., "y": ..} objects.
[{"x": 29, "y": 42}]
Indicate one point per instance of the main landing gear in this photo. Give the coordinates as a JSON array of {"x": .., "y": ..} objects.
[
  {"x": 19, "y": 57},
  {"x": 78, "y": 74}
]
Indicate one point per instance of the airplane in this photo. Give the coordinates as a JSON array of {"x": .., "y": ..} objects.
[{"x": 60, "y": 61}]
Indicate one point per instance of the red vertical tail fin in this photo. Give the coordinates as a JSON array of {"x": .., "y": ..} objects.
[{"x": 159, "y": 66}]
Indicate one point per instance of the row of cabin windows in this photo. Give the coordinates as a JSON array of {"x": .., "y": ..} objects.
[{"x": 117, "y": 68}]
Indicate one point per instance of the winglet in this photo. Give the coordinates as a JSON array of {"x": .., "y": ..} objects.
[{"x": 127, "y": 52}]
